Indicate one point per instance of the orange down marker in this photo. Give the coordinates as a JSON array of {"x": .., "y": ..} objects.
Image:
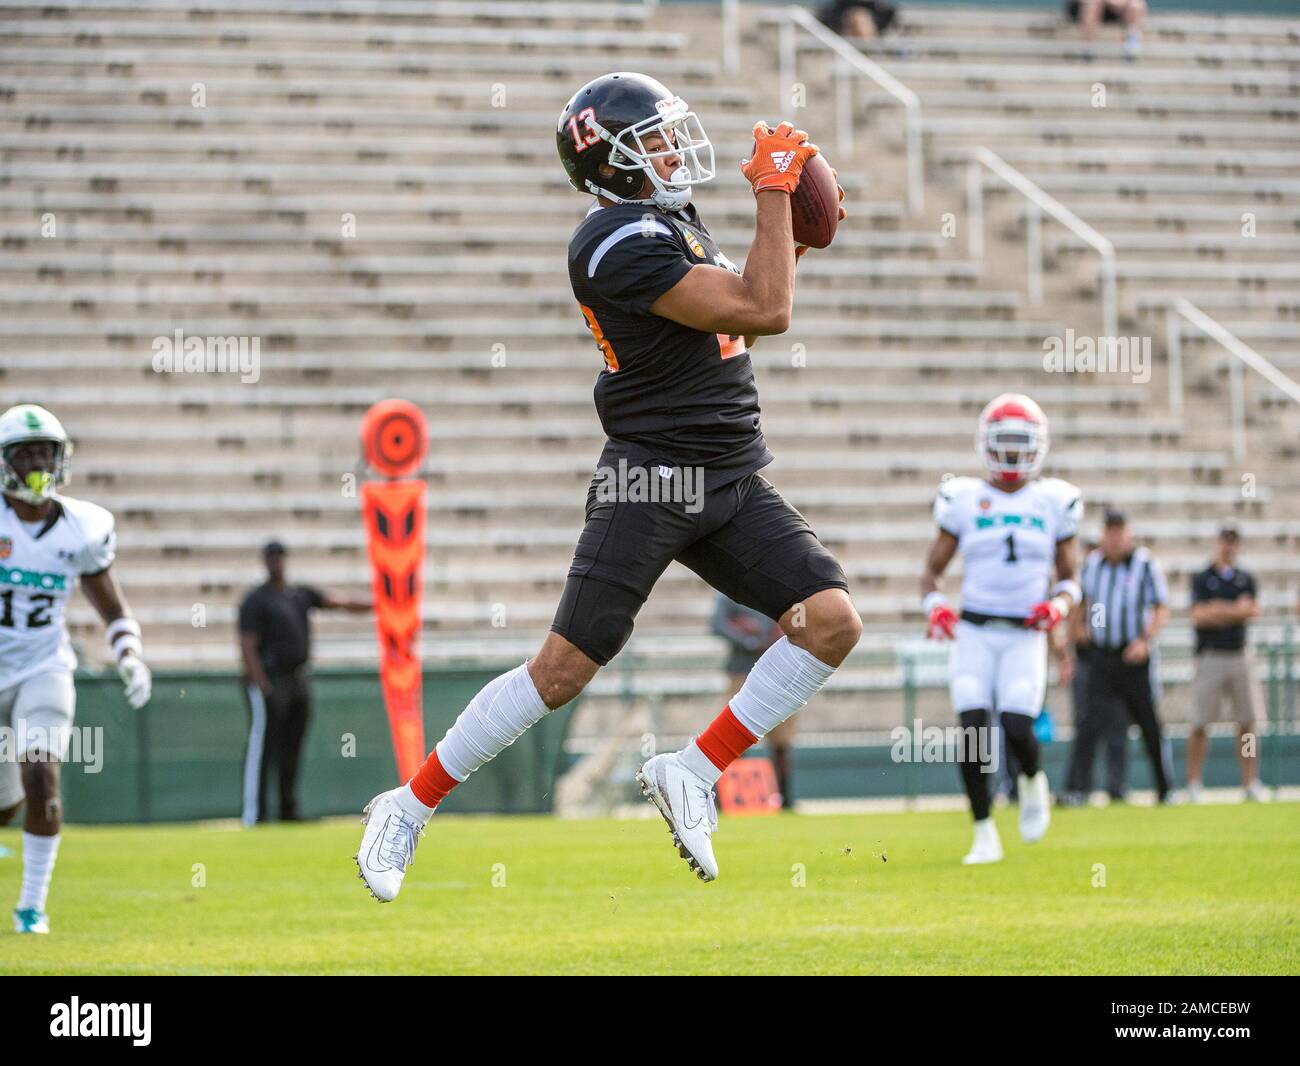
[{"x": 395, "y": 440}]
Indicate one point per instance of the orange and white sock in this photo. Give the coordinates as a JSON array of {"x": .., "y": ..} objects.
[
  {"x": 496, "y": 717},
  {"x": 784, "y": 679},
  {"x": 725, "y": 741},
  {"x": 427, "y": 788}
]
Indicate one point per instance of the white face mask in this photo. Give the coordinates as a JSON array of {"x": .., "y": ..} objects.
[
  {"x": 39, "y": 485},
  {"x": 1013, "y": 450},
  {"x": 683, "y": 135},
  {"x": 676, "y": 192}
]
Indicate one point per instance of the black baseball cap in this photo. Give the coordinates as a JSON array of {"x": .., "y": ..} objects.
[
  {"x": 274, "y": 547},
  {"x": 1114, "y": 518}
]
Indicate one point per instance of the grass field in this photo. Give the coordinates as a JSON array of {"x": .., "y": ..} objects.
[{"x": 1189, "y": 890}]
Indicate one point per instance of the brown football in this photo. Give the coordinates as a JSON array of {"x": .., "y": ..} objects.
[{"x": 815, "y": 205}]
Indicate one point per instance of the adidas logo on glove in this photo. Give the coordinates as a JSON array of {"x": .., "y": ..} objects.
[{"x": 783, "y": 160}]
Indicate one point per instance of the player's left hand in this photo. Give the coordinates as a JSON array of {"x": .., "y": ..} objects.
[
  {"x": 778, "y": 156},
  {"x": 138, "y": 680},
  {"x": 1045, "y": 616}
]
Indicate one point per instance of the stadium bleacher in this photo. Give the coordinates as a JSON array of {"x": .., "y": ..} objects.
[{"x": 232, "y": 219}]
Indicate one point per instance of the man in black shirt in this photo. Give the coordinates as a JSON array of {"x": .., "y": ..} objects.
[
  {"x": 275, "y": 645},
  {"x": 674, "y": 319},
  {"x": 1223, "y": 602}
]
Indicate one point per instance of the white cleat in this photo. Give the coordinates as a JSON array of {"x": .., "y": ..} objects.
[
  {"x": 987, "y": 846},
  {"x": 1195, "y": 793},
  {"x": 30, "y": 920},
  {"x": 686, "y": 802},
  {"x": 1035, "y": 807},
  {"x": 387, "y": 846}
]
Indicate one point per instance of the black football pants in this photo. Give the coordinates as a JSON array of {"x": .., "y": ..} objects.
[
  {"x": 1110, "y": 678},
  {"x": 277, "y": 729}
]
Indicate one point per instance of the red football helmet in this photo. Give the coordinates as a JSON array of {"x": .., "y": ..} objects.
[{"x": 1012, "y": 438}]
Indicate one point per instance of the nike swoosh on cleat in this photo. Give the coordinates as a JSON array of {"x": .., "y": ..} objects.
[
  {"x": 686, "y": 810},
  {"x": 378, "y": 867}
]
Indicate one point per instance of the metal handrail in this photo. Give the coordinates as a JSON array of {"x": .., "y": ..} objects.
[
  {"x": 851, "y": 61},
  {"x": 731, "y": 36},
  {"x": 1038, "y": 202},
  {"x": 1241, "y": 353}
]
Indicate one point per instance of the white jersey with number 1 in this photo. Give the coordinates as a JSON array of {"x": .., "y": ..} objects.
[
  {"x": 1007, "y": 540},
  {"x": 40, "y": 566}
]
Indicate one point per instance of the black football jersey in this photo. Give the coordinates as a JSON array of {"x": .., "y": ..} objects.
[{"x": 667, "y": 393}]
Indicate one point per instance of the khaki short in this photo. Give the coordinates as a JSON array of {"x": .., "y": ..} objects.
[{"x": 1220, "y": 676}]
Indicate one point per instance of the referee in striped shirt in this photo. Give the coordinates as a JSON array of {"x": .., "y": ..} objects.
[{"x": 1125, "y": 605}]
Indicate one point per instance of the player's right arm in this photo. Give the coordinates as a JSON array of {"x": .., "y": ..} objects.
[
  {"x": 757, "y": 302},
  {"x": 937, "y": 558},
  {"x": 940, "y": 617}
]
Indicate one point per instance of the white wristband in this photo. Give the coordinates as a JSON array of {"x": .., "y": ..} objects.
[
  {"x": 1068, "y": 587},
  {"x": 123, "y": 635},
  {"x": 933, "y": 600}
]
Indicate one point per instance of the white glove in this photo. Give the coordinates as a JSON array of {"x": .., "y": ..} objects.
[{"x": 138, "y": 681}]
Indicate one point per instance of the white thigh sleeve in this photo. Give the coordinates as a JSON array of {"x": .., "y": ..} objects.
[
  {"x": 43, "y": 713},
  {"x": 1022, "y": 672},
  {"x": 972, "y": 668}
]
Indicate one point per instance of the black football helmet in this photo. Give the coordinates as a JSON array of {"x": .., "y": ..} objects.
[{"x": 607, "y": 122}]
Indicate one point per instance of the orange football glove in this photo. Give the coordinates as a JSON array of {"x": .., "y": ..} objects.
[
  {"x": 942, "y": 623},
  {"x": 778, "y": 157},
  {"x": 1045, "y": 616}
]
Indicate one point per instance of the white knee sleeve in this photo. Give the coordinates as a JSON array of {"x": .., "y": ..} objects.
[
  {"x": 781, "y": 682},
  {"x": 495, "y": 718}
]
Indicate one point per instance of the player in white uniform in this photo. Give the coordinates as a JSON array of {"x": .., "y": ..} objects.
[
  {"x": 1014, "y": 530},
  {"x": 48, "y": 544}
]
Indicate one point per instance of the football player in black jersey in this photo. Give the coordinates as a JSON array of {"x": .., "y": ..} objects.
[{"x": 678, "y": 477}]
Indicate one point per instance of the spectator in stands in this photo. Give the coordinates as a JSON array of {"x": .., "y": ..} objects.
[
  {"x": 1125, "y": 605},
  {"x": 862, "y": 20},
  {"x": 748, "y": 634},
  {"x": 1223, "y": 603},
  {"x": 1089, "y": 13},
  {"x": 275, "y": 645}
]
